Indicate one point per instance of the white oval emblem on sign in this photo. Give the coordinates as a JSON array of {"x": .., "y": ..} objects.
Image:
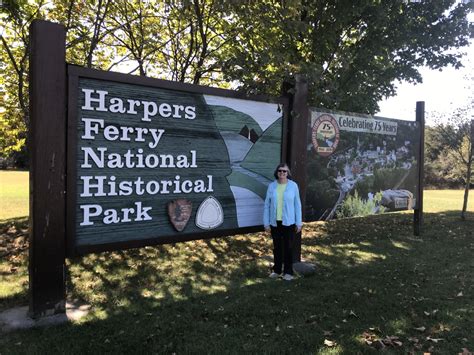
[{"x": 209, "y": 214}]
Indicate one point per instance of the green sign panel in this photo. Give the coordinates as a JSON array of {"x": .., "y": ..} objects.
[
  {"x": 359, "y": 165},
  {"x": 154, "y": 162}
]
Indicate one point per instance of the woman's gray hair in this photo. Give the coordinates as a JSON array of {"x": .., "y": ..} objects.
[{"x": 282, "y": 165}]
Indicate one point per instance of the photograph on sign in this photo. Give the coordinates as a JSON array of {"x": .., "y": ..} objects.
[
  {"x": 154, "y": 162},
  {"x": 359, "y": 165}
]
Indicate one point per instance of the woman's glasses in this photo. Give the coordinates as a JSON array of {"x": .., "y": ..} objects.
[{"x": 282, "y": 171}]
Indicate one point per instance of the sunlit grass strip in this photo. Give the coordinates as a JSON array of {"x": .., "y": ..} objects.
[{"x": 14, "y": 194}]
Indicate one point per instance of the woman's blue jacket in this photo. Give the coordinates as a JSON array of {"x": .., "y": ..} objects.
[{"x": 291, "y": 205}]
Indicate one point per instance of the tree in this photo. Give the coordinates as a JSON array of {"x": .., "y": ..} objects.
[
  {"x": 83, "y": 47},
  {"x": 137, "y": 32},
  {"x": 450, "y": 150},
  {"x": 86, "y": 30},
  {"x": 197, "y": 32},
  {"x": 351, "y": 51},
  {"x": 16, "y": 18}
]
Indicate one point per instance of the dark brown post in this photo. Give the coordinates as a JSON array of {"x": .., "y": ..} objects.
[
  {"x": 418, "y": 212},
  {"x": 297, "y": 141},
  {"x": 47, "y": 143}
]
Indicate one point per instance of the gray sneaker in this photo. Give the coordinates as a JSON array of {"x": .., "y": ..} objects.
[
  {"x": 288, "y": 277},
  {"x": 274, "y": 275}
]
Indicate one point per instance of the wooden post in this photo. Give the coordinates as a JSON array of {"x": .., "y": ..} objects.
[
  {"x": 297, "y": 140},
  {"x": 47, "y": 148},
  {"x": 418, "y": 212}
]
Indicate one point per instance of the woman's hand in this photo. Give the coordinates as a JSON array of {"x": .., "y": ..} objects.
[
  {"x": 298, "y": 229},
  {"x": 267, "y": 230}
]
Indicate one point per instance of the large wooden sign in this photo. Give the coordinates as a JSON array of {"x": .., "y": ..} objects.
[
  {"x": 359, "y": 164},
  {"x": 153, "y": 161}
]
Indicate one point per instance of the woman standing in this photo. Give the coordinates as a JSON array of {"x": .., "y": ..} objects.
[{"x": 282, "y": 217}]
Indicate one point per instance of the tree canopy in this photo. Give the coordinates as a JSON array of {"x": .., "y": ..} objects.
[{"x": 351, "y": 51}]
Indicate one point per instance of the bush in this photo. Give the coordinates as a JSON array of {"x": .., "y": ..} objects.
[{"x": 354, "y": 206}]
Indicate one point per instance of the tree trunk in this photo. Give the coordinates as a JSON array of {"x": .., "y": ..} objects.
[
  {"x": 466, "y": 190},
  {"x": 468, "y": 174}
]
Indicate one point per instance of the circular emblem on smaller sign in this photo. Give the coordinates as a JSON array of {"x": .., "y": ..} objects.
[{"x": 325, "y": 135}]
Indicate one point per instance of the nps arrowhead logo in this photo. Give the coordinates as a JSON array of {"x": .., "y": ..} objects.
[{"x": 179, "y": 212}]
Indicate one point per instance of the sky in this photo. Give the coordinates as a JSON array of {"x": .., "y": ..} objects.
[{"x": 443, "y": 91}]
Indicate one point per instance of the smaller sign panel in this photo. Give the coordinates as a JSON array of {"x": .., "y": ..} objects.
[{"x": 359, "y": 165}]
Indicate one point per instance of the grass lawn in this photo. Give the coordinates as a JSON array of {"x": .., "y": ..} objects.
[
  {"x": 376, "y": 287},
  {"x": 446, "y": 200},
  {"x": 13, "y": 194}
]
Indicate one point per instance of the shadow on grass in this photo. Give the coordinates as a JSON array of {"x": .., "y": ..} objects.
[{"x": 375, "y": 280}]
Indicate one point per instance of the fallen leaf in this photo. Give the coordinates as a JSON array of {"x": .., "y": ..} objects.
[
  {"x": 434, "y": 340},
  {"x": 465, "y": 351},
  {"x": 329, "y": 343},
  {"x": 392, "y": 341},
  {"x": 459, "y": 294},
  {"x": 420, "y": 329},
  {"x": 327, "y": 333},
  {"x": 379, "y": 344}
]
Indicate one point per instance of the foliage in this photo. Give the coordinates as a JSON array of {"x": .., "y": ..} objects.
[
  {"x": 320, "y": 195},
  {"x": 365, "y": 185},
  {"x": 355, "y": 206},
  {"x": 387, "y": 177},
  {"x": 449, "y": 152},
  {"x": 350, "y": 51},
  {"x": 15, "y": 19}
]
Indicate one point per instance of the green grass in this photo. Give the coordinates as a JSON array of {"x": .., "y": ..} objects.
[
  {"x": 13, "y": 194},
  {"x": 374, "y": 280},
  {"x": 446, "y": 200}
]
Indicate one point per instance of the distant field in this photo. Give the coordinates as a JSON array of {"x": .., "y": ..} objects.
[
  {"x": 446, "y": 200},
  {"x": 13, "y": 194},
  {"x": 14, "y": 197}
]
